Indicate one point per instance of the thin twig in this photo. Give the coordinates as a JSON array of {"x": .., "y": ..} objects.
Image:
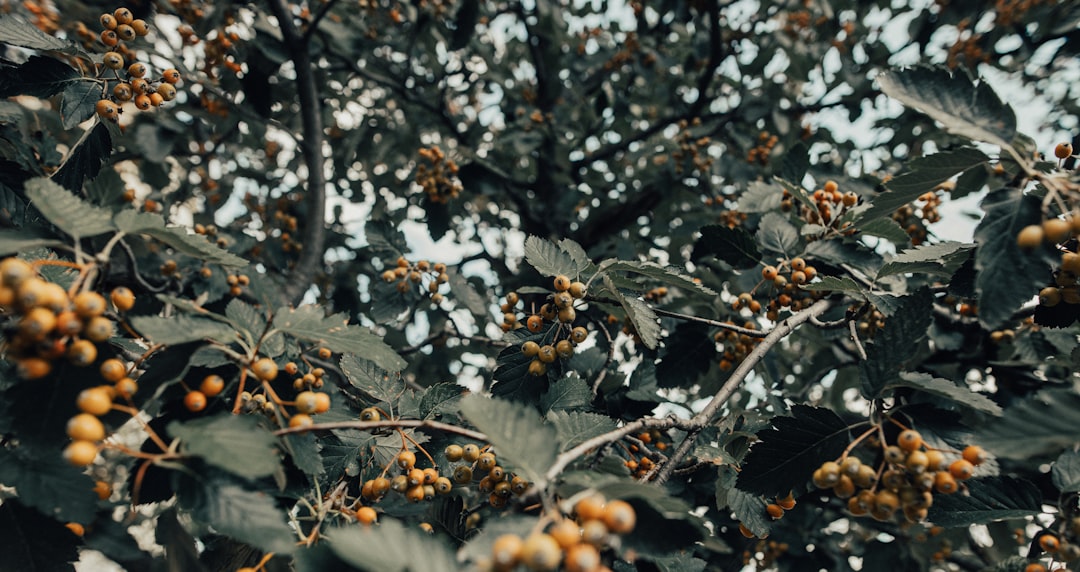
[
  {"x": 855, "y": 338},
  {"x": 392, "y": 423},
  {"x": 718, "y": 324}
]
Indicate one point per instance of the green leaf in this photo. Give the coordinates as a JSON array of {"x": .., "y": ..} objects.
[
  {"x": 181, "y": 329},
  {"x": 16, "y": 241},
  {"x": 836, "y": 284},
  {"x": 887, "y": 228},
  {"x": 760, "y": 197},
  {"x": 576, "y": 427},
  {"x": 688, "y": 353},
  {"x": 577, "y": 253},
  {"x": 732, "y": 245},
  {"x": 245, "y": 515},
  {"x": 644, "y": 320},
  {"x": 922, "y": 175},
  {"x": 570, "y": 392},
  {"x": 310, "y": 323},
  {"x": 668, "y": 274},
  {"x": 1066, "y": 472},
  {"x": 787, "y": 453},
  {"x": 368, "y": 377},
  {"x": 972, "y": 181},
  {"x": 942, "y": 259},
  {"x": 79, "y": 102},
  {"x": 548, "y": 259},
  {"x": 959, "y": 394},
  {"x": 964, "y": 108},
  {"x": 181, "y": 553},
  {"x": 390, "y": 547},
  {"x": 749, "y": 509},
  {"x": 517, "y": 432},
  {"x": 236, "y": 443},
  {"x": 69, "y": 213},
  {"x": 1007, "y": 276},
  {"x": 989, "y": 499},
  {"x": 776, "y": 234},
  {"x": 48, "y": 483},
  {"x": 303, "y": 448},
  {"x": 899, "y": 341},
  {"x": 16, "y": 30},
  {"x": 195, "y": 246},
  {"x": 39, "y": 77},
  {"x": 85, "y": 158},
  {"x": 440, "y": 398},
  {"x": 465, "y": 293},
  {"x": 245, "y": 316},
  {"x": 33, "y": 542},
  {"x": 1041, "y": 425}
]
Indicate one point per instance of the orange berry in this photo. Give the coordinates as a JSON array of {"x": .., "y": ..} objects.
[
  {"x": 1030, "y": 237},
  {"x": 195, "y": 401},
  {"x": 775, "y": 511},
  {"x": 95, "y": 401},
  {"x": 123, "y": 16},
  {"x": 619, "y": 516},
  {"x": 301, "y": 420},
  {"x": 909, "y": 440},
  {"x": 1063, "y": 150},
  {"x": 541, "y": 552},
  {"x": 975, "y": 455},
  {"x": 265, "y": 369},
  {"x": 112, "y": 369},
  {"x": 212, "y": 385},
  {"x": 561, "y": 283},
  {"x": 534, "y": 323},
  {"x": 122, "y": 298},
  {"x": 85, "y": 427},
  {"x": 1049, "y": 543},
  {"x": 590, "y": 508},
  {"x": 366, "y": 515},
  {"x": 506, "y": 551},
  {"x": 961, "y": 469},
  {"x": 80, "y": 453}
]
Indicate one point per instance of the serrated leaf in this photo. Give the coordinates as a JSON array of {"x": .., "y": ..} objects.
[
  {"x": 235, "y": 443},
  {"x": 1066, "y": 472},
  {"x": 641, "y": 316},
  {"x": 390, "y": 547},
  {"x": 760, "y": 197},
  {"x": 39, "y": 76},
  {"x": 836, "y": 284},
  {"x": 33, "y": 542},
  {"x": 440, "y": 398},
  {"x": 922, "y": 175},
  {"x": 776, "y": 234},
  {"x": 1044, "y": 424},
  {"x": 749, "y": 509},
  {"x": 517, "y": 432},
  {"x": 668, "y": 274},
  {"x": 68, "y": 212},
  {"x": 732, "y": 245},
  {"x": 181, "y": 329},
  {"x": 787, "y": 453},
  {"x": 49, "y": 484},
  {"x": 576, "y": 427},
  {"x": 464, "y": 292},
  {"x": 942, "y": 259},
  {"x": 577, "y": 253},
  {"x": 85, "y": 158},
  {"x": 989, "y": 499},
  {"x": 570, "y": 392},
  {"x": 887, "y": 228},
  {"x": 16, "y": 241},
  {"x": 548, "y": 259},
  {"x": 79, "y": 102},
  {"x": 958, "y": 394},
  {"x": 310, "y": 323},
  {"x": 245, "y": 515},
  {"x": 368, "y": 377},
  {"x": 1007, "y": 276},
  {"x": 964, "y": 108},
  {"x": 902, "y": 337},
  {"x": 245, "y": 316},
  {"x": 16, "y": 30},
  {"x": 196, "y": 246},
  {"x": 303, "y": 448},
  {"x": 688, "y": 352}
]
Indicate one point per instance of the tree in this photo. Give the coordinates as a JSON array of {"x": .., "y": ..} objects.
[{"x": 390, "y": 285}]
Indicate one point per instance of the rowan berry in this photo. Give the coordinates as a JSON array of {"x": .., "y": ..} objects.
[
  {"x": 123, "y": 16},
  {"x": 567, "y": 315},
  {"x": 530, "y": 349},
  {"x": 486, "y": 461},
  {"x": 546, "y": 354},
  {"x": 80, "y": 453},
  {"x": 125, "y": 32},
  {"x": 85, "y": 427},
  {"x": 1030, "y": 237},
  {"x": 195, "y": 401},
  {"x": 579, "y": 334},
  {"x": 322, "y": 402},
  {"x": 463, "y": 475},
  {"x": 770, "y": 273},
  {"x": 453, "y": 453},
  {"x": 103, "y": 490},
  {"x": 561, "y": 283},
  {"x": 541, "y": 552},
  {"x": 1056, "y": 230},
  {"x": 301, "y": 420},
  {"x": 406, "y": 460},
  {"x": 1063, "y": 150},
  {"x": 113, "y": 60},
  {"x": 582, "y": 558},
  {"x": 788, "y": 502},
  {"x": 506, "y": 551},
  {"x": 909, "y": 440},
  {"x": 1049, "y": 543},
  {"x": 443, "y": 486},
  {"x": 126, "y": 387},
  {"x": 212, "y": 385},
  {"x": 82, "y": 353},
  {"x": 142, "y": 102},
  {"x": 415, "y": 493},
  {"x": 108, "y": 21},
  {"x": 590, "y": 508},
  {"x": 577, "y": 290},
  {"x": 140, "y": 26},
  {"x": 106, "y": 109},
  {"x": 798, "y": 264},
  {"x": 975, "y": 455},
  {"x": 534, "y": 323},
  {"x": 265, "y": 369},
  {"x": 95, "y": 401},
  {"x": 366, "y": 515},
  {"x": 619, "y": 516},
  {"x": 961, "y": 469},
  {"x": 109, "y": 38},
  {"x": 564, "y": 349}
]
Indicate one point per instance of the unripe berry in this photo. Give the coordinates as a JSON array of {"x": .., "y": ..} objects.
[{"x": 370, "y": 414}]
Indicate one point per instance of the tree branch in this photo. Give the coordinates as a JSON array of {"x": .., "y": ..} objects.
[
  {"x": 313, "y": 234},
  {"x": 706, "y": 415}
]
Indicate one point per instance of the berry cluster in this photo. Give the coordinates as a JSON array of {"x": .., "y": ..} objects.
[
  {"x": 86, "y": 429},
  {"x": 429, "y": 276},
  {"x": 915, "y": 217},
  {"x": 265, "y": 399},
  {"x": 783, "y": 290},
  {"x": 735, "y": 346},
  {"x": 829, "y": 207},
  {"x": 121, "y": 26},
  {"x": 906, "y": 478},
  {"x": 558, "y": 309},
  {"x": 438, "y": 177},
  {"x": 760, "y": 153},
  {"x": 577, "y": 544},
  {"x": 692, "y": 151},
  {"x": 45, "y": 323},
  {"x": 641, "y": 458}
]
